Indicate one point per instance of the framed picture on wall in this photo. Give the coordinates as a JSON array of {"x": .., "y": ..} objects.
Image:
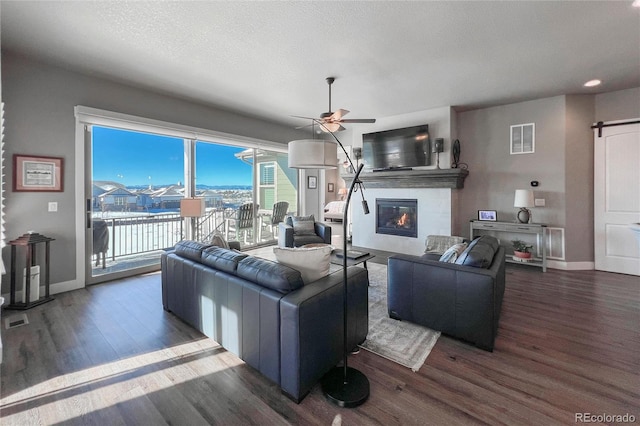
[
  {"x": 487, "y": 215},
  {"x": 37, "y": 174},
  {"x": 312, "y": 182},
  {"x": 330, "y": 187}
]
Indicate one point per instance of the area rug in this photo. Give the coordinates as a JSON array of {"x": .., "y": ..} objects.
[{"x": 399, "y": 341}]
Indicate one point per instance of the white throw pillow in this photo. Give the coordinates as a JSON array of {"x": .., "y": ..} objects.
[{"x": 313, "y": 263}]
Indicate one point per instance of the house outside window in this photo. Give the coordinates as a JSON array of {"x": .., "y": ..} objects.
[{"x": 267, "y": 184}]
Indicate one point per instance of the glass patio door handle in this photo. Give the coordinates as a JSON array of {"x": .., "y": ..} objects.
[{"x": 88, "y": 213}]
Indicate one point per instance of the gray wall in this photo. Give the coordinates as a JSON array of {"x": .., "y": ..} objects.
[
  {"x": 562, "y": 162},
  {"x": 40, "y": 101},
  {"x": 620, "y": 105},
  {"x": 580, "y": 111},
  {"x": 495, "y": 174}
]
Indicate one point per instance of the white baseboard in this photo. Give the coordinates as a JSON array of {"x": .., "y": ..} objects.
[
  {"x": 571, "y": 266},
  {"x": 53, "y": 289}
]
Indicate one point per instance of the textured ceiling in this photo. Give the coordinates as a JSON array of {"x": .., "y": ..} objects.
[{"x": 270, "y": 59}]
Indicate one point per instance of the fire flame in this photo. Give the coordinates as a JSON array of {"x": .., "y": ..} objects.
[{"x": 404, "y": 220}]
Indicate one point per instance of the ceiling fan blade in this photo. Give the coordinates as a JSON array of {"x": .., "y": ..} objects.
[
  {"x": 337, "y": 116},
  {"x": 359, "y": 120},
  {"x": 305, "y": 126}
]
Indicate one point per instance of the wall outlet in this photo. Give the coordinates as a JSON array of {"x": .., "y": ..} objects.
[
  {"x": 53, "y": 206},
  {"x": 539, "y": 202}
]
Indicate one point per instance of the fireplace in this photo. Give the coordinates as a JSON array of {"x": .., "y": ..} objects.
[{"x": 395, "y": 216}]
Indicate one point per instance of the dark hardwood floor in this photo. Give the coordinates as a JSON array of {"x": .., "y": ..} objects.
[{"x": 568, "y": 343}]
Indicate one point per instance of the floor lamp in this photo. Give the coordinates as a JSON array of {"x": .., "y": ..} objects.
[{"x": 344, "y": 386}]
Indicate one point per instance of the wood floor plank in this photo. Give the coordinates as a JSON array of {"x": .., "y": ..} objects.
[{"x": 568, "y": 342}]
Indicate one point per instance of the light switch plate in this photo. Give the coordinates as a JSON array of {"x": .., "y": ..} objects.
[
  {"x": 53, "y": 206},
  {"x": 539, "y": 202}
]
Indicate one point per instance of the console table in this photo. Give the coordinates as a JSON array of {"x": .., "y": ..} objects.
[{"x": 538, "y": 229}]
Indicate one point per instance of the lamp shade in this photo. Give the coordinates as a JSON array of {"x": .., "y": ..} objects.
[
  {"x": 524, "y": 198},
  {"x": 192, "y": 207},
  {"x": 313, "y": 154}
]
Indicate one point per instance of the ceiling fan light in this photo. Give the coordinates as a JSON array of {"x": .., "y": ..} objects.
[{"x": 331, "y": 127}]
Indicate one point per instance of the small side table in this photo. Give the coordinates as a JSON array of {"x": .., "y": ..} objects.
[{"x": 29, "y": 241}]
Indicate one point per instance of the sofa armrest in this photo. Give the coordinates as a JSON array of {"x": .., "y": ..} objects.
[
  {"x": 311, "y": 328},
  {"x": 324, "y": 231},
  {"x": 285, "y": 235}
]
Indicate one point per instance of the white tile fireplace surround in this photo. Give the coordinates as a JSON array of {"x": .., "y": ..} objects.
[{"x": 435, "y": 207}]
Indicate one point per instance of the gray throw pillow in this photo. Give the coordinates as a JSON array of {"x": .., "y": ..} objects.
[
  {"x": 303, "y": 225},
  {"x": 440, "y": 243},
  {"x": 218, "y": 240}
]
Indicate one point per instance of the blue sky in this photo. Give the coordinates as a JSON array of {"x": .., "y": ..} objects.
[{"x": 142, "y": 159}]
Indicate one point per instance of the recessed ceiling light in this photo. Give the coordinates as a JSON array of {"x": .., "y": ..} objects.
[
  {"x": 593, "y": 83},
  {"x": 636, "y": 3}
]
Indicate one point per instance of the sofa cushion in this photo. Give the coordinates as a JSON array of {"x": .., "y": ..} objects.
[
  {"x": 222, "y": 259},
  {"x": 479, "y": 253},
  {"x": 303, "y": 225},
  {"x": 313, "y": 263},
  {"x": 440, "y": 243},
  {"x": 452, "y": 253},
  {"x": 190, "y": 249},
  {"x": 269, "y": 274}
]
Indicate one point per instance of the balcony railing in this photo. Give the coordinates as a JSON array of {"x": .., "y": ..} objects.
[{"x": 131, "y": 235}]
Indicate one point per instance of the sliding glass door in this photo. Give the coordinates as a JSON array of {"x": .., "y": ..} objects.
[
  {"x": 137, "y": 171},
  {"x": 133, "y": 209},
  {"x": 241, "y": 188}
]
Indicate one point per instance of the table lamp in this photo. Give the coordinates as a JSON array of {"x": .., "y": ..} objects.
[{"x": 524, "y": 199}]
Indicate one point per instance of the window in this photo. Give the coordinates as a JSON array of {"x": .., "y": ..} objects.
[
  {"x": 267, "y": 183},
  {"x": 267, "y": 173},
  {"x": 523, "y": 138}
]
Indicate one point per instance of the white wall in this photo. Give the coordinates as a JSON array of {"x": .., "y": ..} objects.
[
  {"x": 441, "y": 123},
  {"x": 435, "y": 207}
]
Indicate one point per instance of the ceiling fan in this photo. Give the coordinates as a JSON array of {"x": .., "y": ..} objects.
[{"x": 332, "y": 121}]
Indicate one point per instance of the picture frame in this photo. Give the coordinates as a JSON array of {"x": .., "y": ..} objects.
[
  {"x": 33, "y": 173},
  {"x": 487, "y": 215},
  {"x": 330, "y": 187},
  {"x": 312, "y": 182}
]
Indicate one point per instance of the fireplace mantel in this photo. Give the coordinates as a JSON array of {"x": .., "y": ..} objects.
[{"x": 429, "y": 178}]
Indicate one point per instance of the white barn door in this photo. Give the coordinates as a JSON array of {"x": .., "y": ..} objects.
[{"x": 617, "y": 198}]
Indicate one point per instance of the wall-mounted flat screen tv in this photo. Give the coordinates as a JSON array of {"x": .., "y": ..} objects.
[{"x": 397, "y": 148}]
